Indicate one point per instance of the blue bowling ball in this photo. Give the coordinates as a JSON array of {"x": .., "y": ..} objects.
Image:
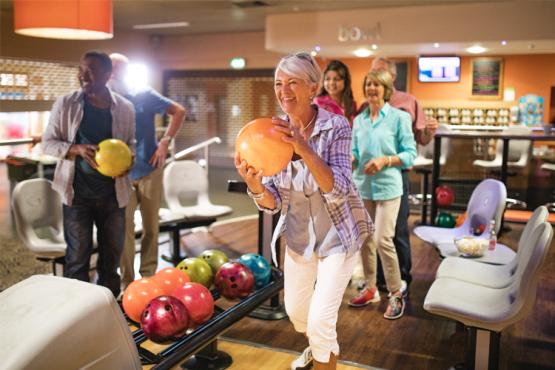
[{"x": 259, "y": 267}]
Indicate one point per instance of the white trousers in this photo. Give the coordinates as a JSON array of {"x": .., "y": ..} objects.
[{"x": 313, "y": 292}]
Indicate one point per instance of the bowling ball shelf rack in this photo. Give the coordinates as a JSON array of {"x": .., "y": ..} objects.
[{"x": 201, "y": 343}]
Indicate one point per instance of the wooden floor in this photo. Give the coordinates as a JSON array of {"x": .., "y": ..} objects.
[
  {"x": 253, "y": 356},
  {"x": 418, "y": 340}
]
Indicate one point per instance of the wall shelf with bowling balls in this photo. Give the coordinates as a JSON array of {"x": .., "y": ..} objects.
[{"x": 204, "y": 335}]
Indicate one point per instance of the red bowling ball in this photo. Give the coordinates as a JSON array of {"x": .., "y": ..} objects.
[
  {"x": 445, "y": 196},
  {"x": 234, "y": 280},
  {"x": 164, "y": 318},
  {"x": 198, "y": 301}
]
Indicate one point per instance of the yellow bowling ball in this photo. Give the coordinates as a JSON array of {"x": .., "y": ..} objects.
[{"x": 113, "y": 157}]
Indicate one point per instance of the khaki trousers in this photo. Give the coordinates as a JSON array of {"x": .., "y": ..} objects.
[
  {"x": 147, "y": 193},
  {"x": 384, "y": 214}
]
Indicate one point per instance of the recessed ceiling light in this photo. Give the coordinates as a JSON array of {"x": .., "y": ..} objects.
[
  {"x": 160, "y": 25},
  {"x": 436, "y": 45},
  {"x": 317, "y": 48},
  {"x": 374, "y": 46},
  {"x": 504, "y": 42},
  {"x": 237, "y": 63},
  {"x": 362, "y": 53},
  {"x": 476, "y": 49}
]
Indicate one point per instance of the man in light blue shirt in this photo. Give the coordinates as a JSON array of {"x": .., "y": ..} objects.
[{"x": 147, "y": 171}]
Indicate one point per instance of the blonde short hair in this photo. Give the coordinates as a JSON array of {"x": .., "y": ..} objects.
[
  {"x": 302, "y": 66},
  {"x": 383, "y": 78}
]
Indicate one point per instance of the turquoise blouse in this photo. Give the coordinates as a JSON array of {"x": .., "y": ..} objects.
[{"x": 389, "y": 135}]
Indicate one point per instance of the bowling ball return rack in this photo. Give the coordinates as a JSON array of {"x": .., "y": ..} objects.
[{"x": 201, "y": 343}]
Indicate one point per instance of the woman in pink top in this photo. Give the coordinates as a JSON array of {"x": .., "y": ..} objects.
[{"x": 336, "y": 95}]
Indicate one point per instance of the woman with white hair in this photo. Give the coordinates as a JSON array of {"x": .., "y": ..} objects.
[{"x": 323, "y": 219}]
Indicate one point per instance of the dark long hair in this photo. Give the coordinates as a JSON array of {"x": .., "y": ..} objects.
[{"x": 347, "y": 99}]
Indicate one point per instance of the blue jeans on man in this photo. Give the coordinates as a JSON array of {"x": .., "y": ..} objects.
[
  {"x": 402, "y": 236},
  {"x": 78, "y": 233}
]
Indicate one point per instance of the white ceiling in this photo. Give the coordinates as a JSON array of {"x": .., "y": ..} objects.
[{"x": 230, "y": 16}]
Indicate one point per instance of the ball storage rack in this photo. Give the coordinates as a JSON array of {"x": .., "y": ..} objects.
[{"x": 200, "y": 344}]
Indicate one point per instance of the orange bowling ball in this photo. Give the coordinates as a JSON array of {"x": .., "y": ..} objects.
[
  {"x": 113, "y": 157},
  {"x": 260, "y": 145},
  {"x": 169, "y": 279},
  {"x": 137, "y": 295}
]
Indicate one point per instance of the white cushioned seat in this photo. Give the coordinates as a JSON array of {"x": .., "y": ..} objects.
[
  {"x": 51, "y": 322},
  {"x": 493, "y": 276},
  {"x": 187, "y": 181},
  {"x": 487, "y": 311},
  {"x": 487, "y": 202}
]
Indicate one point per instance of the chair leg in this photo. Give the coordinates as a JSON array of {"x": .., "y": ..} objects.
[{"x": 482, "y": 349}]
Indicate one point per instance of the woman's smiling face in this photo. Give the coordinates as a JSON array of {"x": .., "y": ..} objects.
[
  {"x": 334, "y": 83},
  {"x": 293, "y": 94},
  {"x": 374, "y": 91}
]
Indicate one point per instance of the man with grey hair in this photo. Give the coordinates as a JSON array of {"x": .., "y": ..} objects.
[{"x": 424, "y": 131}]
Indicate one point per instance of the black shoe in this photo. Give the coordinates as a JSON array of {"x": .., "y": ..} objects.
[{"x": 382, "y": 287}]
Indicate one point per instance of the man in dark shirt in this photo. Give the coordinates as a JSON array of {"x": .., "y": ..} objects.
[{"x": 78, "y": 122}]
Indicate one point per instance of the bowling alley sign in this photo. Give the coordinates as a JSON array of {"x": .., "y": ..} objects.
[{"x": 347, "y": 34}]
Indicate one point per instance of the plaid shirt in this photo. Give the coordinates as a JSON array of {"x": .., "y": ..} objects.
[{"x": 331, "y": 140}]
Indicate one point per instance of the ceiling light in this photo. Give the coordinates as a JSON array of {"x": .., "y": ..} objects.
[
  {"x": 317, "y": 48},
  {"x": 237, "y": 63},
  {"x": 476, "y": 49},
  {"x": 504, "y": 42},
  {"x": 374, "y": 46},
  {"x": 68, "y": 19},
  {"x": 160, "y": 25},
  {"x": 362, "y": 53},
  {"x": 436, "y": 45}
]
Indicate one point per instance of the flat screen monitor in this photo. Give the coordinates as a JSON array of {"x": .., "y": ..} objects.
[{"x": 439, "y": 69}]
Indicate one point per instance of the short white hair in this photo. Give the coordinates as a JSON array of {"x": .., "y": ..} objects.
[{"x": 302, "y": 66}]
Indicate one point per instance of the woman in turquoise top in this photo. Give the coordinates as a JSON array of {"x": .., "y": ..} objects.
[{"x": 383, "y": 144}]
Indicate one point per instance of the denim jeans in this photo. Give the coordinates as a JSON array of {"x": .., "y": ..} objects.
[
  {"x": 78, "y": 233},
  {"x": 402, "y": 236}
]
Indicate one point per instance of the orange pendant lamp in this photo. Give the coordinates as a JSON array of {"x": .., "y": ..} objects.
[{"x": 64, "y": 19}]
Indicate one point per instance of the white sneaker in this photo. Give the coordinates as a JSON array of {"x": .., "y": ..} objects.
[
  {"x": 304, "y": 361},
  {"x": 404, "y": 291}
]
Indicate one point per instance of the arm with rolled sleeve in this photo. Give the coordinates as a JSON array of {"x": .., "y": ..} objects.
[
  {"x": 339, "y": 160},
  {"x": 269, "y": 185},
  {"x": 405, "y": 140},
  {"x": 55, "y": 140}
]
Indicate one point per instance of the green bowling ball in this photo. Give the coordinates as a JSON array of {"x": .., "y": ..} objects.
[
  {"x": 198, "y": 269},
  {"x": 214, "y": 258},
  {"x": 445, "y": 220}
]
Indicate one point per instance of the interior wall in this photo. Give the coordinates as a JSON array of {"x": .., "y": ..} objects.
[{"x": 527, "y": 74}]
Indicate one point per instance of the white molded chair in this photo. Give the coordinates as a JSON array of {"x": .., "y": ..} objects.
[
  {"x": 425, "y": 153},
  {"x": 487, "y": 202},
  {"x": 51, "y": 322},
  {"x": 519, "y": 150},
  {"x": 187, "y": 181},
  {"x": 487, "y": 311},
  {"x": 493, "y": 276},
  {"x": 37, "y": 210}
]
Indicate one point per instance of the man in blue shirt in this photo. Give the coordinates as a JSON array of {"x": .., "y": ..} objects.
[{"x": 147, "y": 172}]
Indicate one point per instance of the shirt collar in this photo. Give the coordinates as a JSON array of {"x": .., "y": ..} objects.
[
  {"x": 383, "y": 112},
  {"x": 80, "y": 98}
]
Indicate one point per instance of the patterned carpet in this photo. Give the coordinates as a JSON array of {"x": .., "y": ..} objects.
[{"x": 16, "y": 262}]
